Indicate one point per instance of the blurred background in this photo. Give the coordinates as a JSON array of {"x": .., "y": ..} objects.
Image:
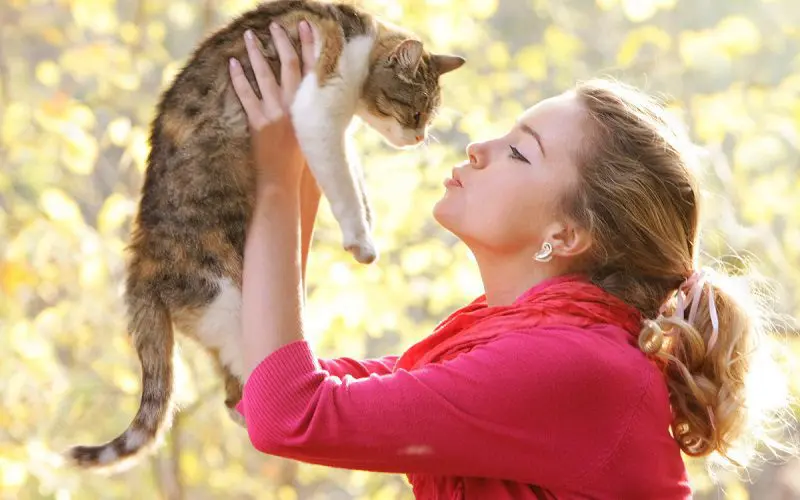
[{"x": 79, "y": 80}]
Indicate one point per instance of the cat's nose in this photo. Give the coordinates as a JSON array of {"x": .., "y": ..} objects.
[{"x": 419, "y": 137}]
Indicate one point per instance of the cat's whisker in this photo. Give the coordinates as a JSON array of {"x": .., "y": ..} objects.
[{"x": 452, "y": 112}]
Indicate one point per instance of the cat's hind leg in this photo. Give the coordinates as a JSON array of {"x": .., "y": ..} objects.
[
  {"x": 217, "y": 327},
  {"x": 233, "y": 389}
]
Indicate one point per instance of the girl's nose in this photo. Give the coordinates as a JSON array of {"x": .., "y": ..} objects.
[{"x": 477, "y": 155}]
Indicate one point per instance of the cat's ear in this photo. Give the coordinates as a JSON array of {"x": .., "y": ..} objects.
[
  {"x": 407, "y": 55},
  {"x": 446, "y": 63}
]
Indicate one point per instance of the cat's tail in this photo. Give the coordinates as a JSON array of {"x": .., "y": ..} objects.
[{"x": 151, "y": 331}]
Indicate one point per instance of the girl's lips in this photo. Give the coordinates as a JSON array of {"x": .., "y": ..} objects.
[
  {"x": 454, "y": 178},
  {"x": 450, "y": 182}
]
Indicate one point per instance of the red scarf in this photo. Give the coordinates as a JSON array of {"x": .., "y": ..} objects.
[{"x": 566, "y": 301}]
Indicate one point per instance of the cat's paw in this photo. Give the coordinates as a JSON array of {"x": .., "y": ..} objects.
[
  {"x": 362, "y": 249},
  {"x": 237, "y": 417}
]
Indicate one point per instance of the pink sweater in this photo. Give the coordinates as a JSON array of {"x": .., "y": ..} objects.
[{"x": 578, "y": 412}]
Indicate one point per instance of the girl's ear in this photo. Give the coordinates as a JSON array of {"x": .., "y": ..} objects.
[{"x": 568, "y": 240}]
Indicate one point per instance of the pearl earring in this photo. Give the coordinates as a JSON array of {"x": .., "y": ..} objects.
[{"x": 546, "y": 253}]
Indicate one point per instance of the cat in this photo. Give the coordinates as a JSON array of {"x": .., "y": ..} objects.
[{"x": 187, "y": 242}]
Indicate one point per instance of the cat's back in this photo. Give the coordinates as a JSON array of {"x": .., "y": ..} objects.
[
  {"x": 204, "y": 81},
  {"x": 199, "y": 116},
  {"x": 197, "y": 190}
]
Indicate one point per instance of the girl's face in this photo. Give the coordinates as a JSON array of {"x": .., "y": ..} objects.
[{"x": 507, "y": 197}]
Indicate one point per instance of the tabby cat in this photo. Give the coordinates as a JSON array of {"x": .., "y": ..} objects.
[{"x": 187, "y": 244}]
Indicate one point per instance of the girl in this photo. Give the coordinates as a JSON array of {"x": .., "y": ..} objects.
[{"x": 599, "y": 351}]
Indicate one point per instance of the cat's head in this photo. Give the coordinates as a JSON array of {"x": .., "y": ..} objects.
[{"x": 402, "y": 92}]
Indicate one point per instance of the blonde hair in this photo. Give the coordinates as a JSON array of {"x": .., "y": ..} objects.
[{"x": 639, "y": 198}]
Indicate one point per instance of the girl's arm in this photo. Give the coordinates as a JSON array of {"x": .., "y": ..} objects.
[
  {"x": 309, "y": 205},
  {"x": 272, "y": 291}
]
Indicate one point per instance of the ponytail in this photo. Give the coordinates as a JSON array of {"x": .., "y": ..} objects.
[{"x": 710, "y": 343}]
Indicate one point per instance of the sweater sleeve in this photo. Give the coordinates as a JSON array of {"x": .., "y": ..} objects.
[
  {"x": 516, "y": 409},
  {"x": 339, "y": 367}
]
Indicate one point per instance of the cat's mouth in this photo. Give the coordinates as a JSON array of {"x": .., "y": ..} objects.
[{"x": 409, "y": 142}]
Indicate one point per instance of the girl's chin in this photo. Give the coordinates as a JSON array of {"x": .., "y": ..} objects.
[{"x": 446, "y": 216}]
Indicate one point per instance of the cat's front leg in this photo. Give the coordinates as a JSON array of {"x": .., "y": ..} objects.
[
  {"x": 321, "y": 115},
  {"x": 328, "y": 161},
  {"x": 358, "y": 174}
]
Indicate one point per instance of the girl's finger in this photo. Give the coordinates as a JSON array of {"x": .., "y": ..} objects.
[
  {"x": 270, "y": 93},
  {"x": 248, "y": 98},
  {"x": 290, "y": 63},
  {"x": 307, "y": 47}
]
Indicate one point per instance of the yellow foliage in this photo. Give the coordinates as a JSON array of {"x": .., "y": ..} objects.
[
  {"x": 95, "y": 15},
  {"x": 736, "y": 492},
  {"x": 733, "y": 37},
  {"x": 560, "y": 46},
  {"x": 115, "y": 211},
  {"x": 12, "y": 474},
  {"x": 80, "y": 151},
  {"x": 139, "y": 147},
  {"x": 639, "y": 10},
  {"x": 497, "y": 54},
  {"x": 170, "y": 71},
  {"x": 79, "y": 80},
  {"x": 639, "y": 37},
  {"x": 48, "y": 73},
  {"x": 287, "y": 493},
  {"x": 182, "y": 14},
  {"x": 93, "y": 273},
  {"x": 482, "y": 9},
  {"x": 607, "y": 4},
  {"x": 190, "y": 466},
  {"x": 717, "y": 114},
  {"x": 60, "y": 208},
  {"x": 126, "y": 381},
  {"x": 14, "y": 275},
  {"x": 118, "y": 130},
  {"x": 28, "y": 345},
  {"x": 16, "y": 121},
  {"x": 737, "y": 36},
  {"x": 52, "y": 35},
  {"x": 759, "y": 153},
  {"x": 94, "y": 60},
  {"x": 129, "y": 33},
  {"x": 156, "y": 31},
  {"x": 532, "y": 61}
]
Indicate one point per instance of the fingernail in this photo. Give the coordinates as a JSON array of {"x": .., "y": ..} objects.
[
  {"x": 233, "y": 62},
  {"x": 273, "y": 26},
  {"x": 249, "y": 35},
  {"x": 304, "y": 26}
]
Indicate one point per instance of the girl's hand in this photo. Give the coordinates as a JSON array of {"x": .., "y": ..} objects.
[{"x": 278, "y": 160}]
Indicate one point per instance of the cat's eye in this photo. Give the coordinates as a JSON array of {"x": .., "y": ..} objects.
[
  {"x": 417, "y": 117},
  {"x": 517, "y": 155},
  {"x": 395, "y": 99},
  {"x": 382, "y": 112}
]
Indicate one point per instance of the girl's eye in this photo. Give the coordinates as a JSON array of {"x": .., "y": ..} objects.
[{"x": 517, "y": 155}]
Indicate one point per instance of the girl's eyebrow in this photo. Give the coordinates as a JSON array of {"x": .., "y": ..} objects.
[{"x": 535, "y": 135}]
